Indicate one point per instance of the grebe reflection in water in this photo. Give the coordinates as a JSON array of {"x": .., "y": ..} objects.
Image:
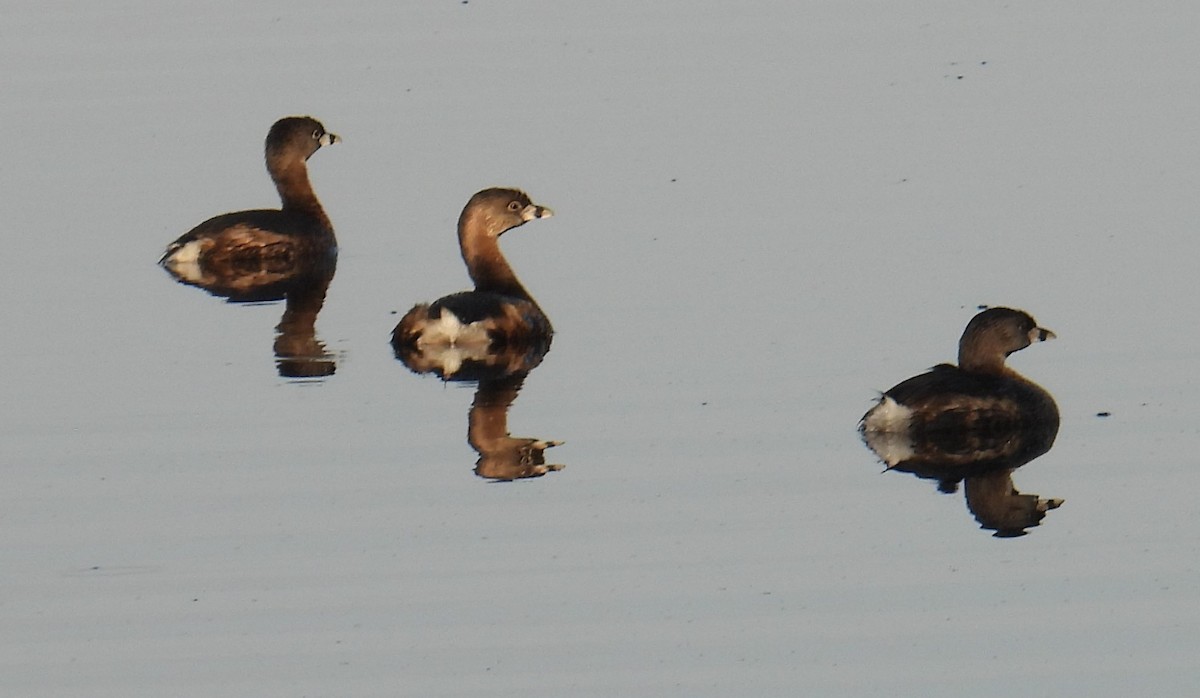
[
  {"x": 975, "y": 422},
  {"x": 503, "y": 456},
  {"x": 500, "y": 373},
  {"x": 984, "y": 461},
  {"x": 272, "y": 254},
  {"x": 302, "y": 287},
  {"x": 495, "y": 334}
]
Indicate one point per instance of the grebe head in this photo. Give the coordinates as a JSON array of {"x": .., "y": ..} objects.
[
  {"x": 297, "y": 136},
  {"x": 994, "y": 334},
  {"x": 499, "y": 210}
]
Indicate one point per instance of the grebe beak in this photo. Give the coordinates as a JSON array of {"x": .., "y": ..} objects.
[
  {"x": 329, "y": 138},
  {"x": 534, "y": 211},
  {"x": 1040, "y": 334}
]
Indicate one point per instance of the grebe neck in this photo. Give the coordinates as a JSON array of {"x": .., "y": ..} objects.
[
  {"x": 972, "y": 360},
  {"x": 296, "y": 192},
  {"x": 479, "y": 241}
]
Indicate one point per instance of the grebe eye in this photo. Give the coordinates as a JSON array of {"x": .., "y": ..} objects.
[
  {"x": 317, "y": 135},
  {"x": 514, "y": 206}
]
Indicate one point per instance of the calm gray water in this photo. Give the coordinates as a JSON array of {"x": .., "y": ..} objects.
[{"x": 766, "y": 212}]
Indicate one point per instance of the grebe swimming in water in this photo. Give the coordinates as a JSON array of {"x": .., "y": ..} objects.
[
  {"x": 264, "y": 239},
  {"x": 980, "y": 393},
  {"x": 499, "y": 312}
]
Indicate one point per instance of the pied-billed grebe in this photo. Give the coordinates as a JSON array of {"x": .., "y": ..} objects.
[
  {"x": 261, "y": 239},
  {"x": 499, "y": 312},
  {"x": 980, "y": 393}
]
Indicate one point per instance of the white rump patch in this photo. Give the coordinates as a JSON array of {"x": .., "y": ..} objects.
[
  {"x": 187, "y": 253},
  {"x": 184, "y": 262},
  {"x": 886, "y": 431},
  {"x": 888, "y": 415},
  {"x": 449, "y": 358},
  {"x": 448, "y": 330},
  {"x": 892, "y": 447}
]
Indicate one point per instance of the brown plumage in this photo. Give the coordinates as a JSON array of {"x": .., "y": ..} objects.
[
  {"x": 243, "y": 242},
  {"x": 980, "y": 393},
  {"x": 499, "y": 312},
  {"x": 975, "y": 423}
]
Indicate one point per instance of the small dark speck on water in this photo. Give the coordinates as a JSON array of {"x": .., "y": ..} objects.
[
  {"x": 1104, "y": 414},
  {"x": 704, "y": 404}
]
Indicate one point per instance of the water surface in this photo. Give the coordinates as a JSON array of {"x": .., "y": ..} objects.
[{"x": 766, "y": 212}]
